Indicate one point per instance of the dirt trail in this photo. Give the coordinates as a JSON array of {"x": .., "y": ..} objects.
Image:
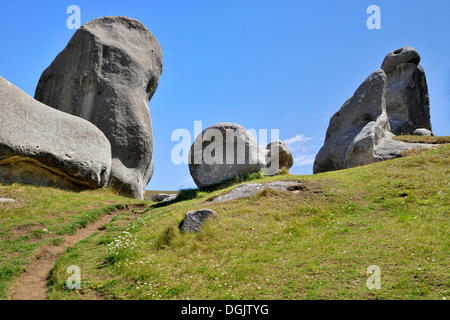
[{"x": 32, "y": 282}]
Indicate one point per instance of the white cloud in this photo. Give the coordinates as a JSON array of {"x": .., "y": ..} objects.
[
  {"x": 298, "y": 139},
  {"x": 301, "y": 149},
  {"x": 298, "y": 143}
]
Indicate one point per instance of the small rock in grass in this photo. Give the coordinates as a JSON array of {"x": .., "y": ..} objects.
[
  {"x": 422, "y": 132},
  {"x": 194, "y": 220},
  {"x": 249, "y": 190},
  {"x": 163, "y": 197}
]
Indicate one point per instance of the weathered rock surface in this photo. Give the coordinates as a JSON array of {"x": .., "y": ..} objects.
[
  {"x": 223, "y": 151},
  {"x": 163, "y": 197},
  {"x": 358, "y": 133},
  {"x": 280, "y": 158},
  {"x": 194, "y": 220},
  {"x": 422, "y": 132},
  {"x": 407, "y": 101},
  {"x": 354, "y": 130},
  {"x": 388, "y": 148},
  {"x": 248, "y": 190},
  {"x": 107, "y": 74},
  {"x": 43, "y": 146}
]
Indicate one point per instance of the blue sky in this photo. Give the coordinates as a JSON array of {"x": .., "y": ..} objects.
[{"x": 286, "y": 65}]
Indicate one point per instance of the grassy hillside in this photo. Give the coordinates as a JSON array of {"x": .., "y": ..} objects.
[
  {"x": 43, "y": 216},
  {"x": 317, "y": 243},
  {"x": 424, "y": 139}
]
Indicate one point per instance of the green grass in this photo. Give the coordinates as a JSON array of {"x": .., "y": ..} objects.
[
  {"x": 42, "y": 215},
  {"x": 315, "y": 244}
]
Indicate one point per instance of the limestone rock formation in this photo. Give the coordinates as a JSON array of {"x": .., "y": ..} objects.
[
  {"x": 194, "y": 220},
  {"x": 248, "y": 190},
  {"x": 422, "y": 132},
  {"x": 43, "y": 146},
  {"x": 358, "y": 133},
  {"x": 223, "y": 151},
  {"x": 107, "y": 74},
  {"x": 407, "y": 101},
  {"x": 163, "y": 197},
  {"x": 280, "y": 158},
  {"x": 354, "y": 130}
]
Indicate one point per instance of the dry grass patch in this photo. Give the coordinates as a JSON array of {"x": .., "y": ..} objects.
[{"x": 424, "y": 139}]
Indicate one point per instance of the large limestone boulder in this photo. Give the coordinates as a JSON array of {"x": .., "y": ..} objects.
[
  {"x": 43, "y": 146},
  {"x": 358, "y": 133},
  {"x": 224, "y": 151},
  {"x": 407, "y": 101},
  {"x": 354, "y": 130},
  {"x": 107, "y": 74},
  {"x": 278, "y": 157}
]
